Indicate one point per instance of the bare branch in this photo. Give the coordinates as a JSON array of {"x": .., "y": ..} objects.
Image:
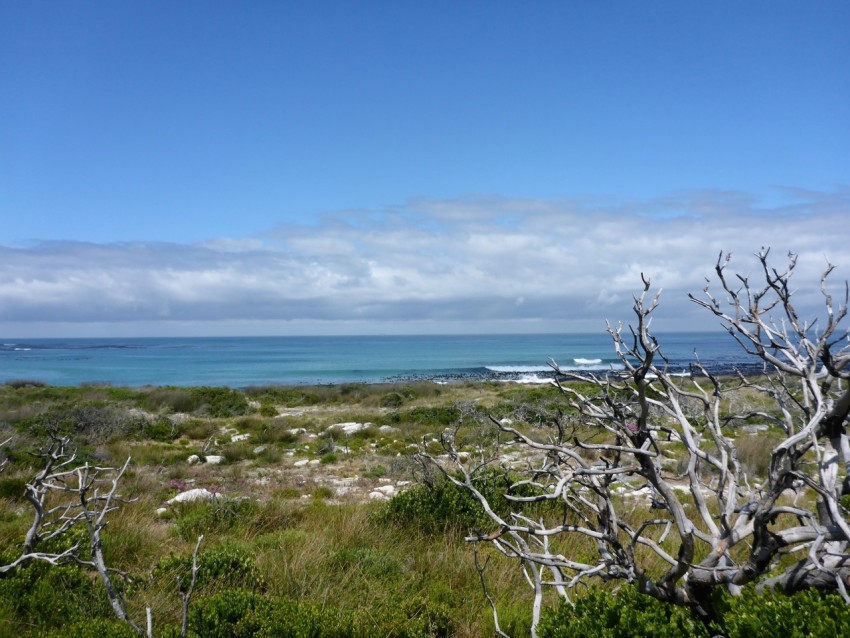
[{"x": 654, "y": 471}]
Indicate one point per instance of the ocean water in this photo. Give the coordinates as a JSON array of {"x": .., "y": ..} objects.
[{"x": 242, "y": 361}]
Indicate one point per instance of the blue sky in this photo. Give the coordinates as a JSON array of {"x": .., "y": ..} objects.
[{"x": 272, "y": 168}]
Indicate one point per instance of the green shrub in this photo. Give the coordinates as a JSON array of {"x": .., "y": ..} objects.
[
  {"x": 96, "y": 628},
  {"x": 197, "y": 429},
  {"x": 433, "y": 416},
  {"x": 288, "y": 492},
  {"x": 322, "y": 492},
  {"x": 17, "y": 384},
  {"x": 169, "y": 399},
  {"x": 49, "y": 597},
  {"x": 13, "y": 487},
  {"x": 162, "y": 429},
  {"x": 226, "y": 565},
  {"x": 372, "y": 562},
  {"x": 392, "y": 400},
  {"x": 268, "y": 409},
  {"x": 242, "y": 614},
  {"x": 219, "y": 402},
  {"x": 284, "y": 395},
  {"x": 235, "y": 452},
  {"x": 808, "y": 613},
  {"x": 376, "y": 471},
  {"x": 89, "y": 422},
  {"x": 626, "y": 614},
  {"x": 217, "y": 516},
  {"x": 436, "y": 508}
]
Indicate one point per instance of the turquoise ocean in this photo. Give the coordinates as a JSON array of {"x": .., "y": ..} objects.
[{"x": 243, "y": 361}]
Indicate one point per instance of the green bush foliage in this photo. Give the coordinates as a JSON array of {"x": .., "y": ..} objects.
[
  {"x": 214, "y": 517},
  {"x": 92, "y": 422},
  {"x": 437, "y": 507},
  {"x": 371, "y": 561},
  {"x": 220, "y": 402},
  {"x": 228, "y": 564},
  {"x": 96, "y": 628},
  {"x": 267, "y": 409},
  {"x": 13, "y": 487},
  {"x": 244, "y": 614},
  {"x": 161, "y": 429},
  {"x": 808, "y": 613},
  {"x": 626, "y": 614},
  {"x": 168, "y": 399},
  {"x": 51, "y": 597}
]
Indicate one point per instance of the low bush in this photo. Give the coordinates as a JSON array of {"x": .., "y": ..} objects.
[
  {"x": 13, "y": 487},
  {"x": 89, "y": 422},
  {"x": 96, "y": 628},
  {"x": 25, "y": 383},
  {"x": 31, "y": 593},
  {"x": 267, "y": 409},
  {"x": 168, "y": 399},
  {"x": 808, "y": 613},
  {"x": 626, "y": 614},
  {"x": 244, "y": 614},
  {"x": 435, "y": 508},
  {"x": 372, "y": 562},
  {"x": 213, "y": 517},
  {"x": 160, "y": 429},
  {"x": 226, "y": 565},
  {"x": 219, "y": 402},
  {"x": 376, "y": 471}
]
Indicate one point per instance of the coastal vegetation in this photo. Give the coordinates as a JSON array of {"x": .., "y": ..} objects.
[{"x": 424, "y": 510}]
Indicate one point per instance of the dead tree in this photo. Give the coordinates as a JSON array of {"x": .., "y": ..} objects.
[
  {"x": 642, "y": 483},
  {"x": 64, "y": 494}
]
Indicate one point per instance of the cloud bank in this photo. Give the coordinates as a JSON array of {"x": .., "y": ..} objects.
[{"x": 471, "y": 264}]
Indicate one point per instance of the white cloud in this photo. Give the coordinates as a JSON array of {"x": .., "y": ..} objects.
[{"x": 530, "y": 264}]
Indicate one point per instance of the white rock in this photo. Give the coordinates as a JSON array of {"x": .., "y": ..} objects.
[
  {"x": 239, "y": 437},
  {"x": 375, "y": 495},
  {"x": 384, "y": 429},
  {"x": 259, "y": 449},
  {"x": 315, "y": 462},
  {"x": 301, "y": 463},
  {"x": 349, "y": 427},
  {"x": 193, "y": 459},
  {"x": 197, "y": 494},
  {"x": 386, "y": 490},
  {"x": 212, "y": 459},
  {"x": 160, "y": 511},
  {"x": 297, "y": 431}
]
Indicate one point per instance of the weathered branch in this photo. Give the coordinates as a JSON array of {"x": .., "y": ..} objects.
[{"x": 652, "y": 476}]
